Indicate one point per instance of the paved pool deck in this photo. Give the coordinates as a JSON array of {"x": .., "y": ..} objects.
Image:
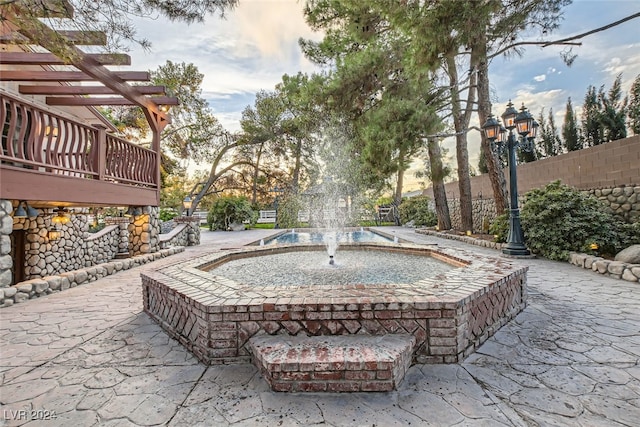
[{"x": 90, "y": 356}]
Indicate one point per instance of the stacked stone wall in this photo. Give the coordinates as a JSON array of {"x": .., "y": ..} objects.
[
  {"x": 76, "y": 248},
  {"x": 35, "y": 288},
  {"x": 623, "y": 201},
  {"x": 192, "y": 230},
  {"x": 144, "y": 231},
  {"x": 6, "y": 227}
]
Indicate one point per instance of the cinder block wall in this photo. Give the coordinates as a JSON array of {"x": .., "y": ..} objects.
[{"x": 612, "y": 165}]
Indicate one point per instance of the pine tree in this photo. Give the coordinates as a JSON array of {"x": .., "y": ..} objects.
[
  {"x": 570, "y": 129},
  {"x": 613, "y": 111},
  {"x": 633, "y": 108},
  {"x": 555, "y": 144},
  {"x": 592, "y": 129}
]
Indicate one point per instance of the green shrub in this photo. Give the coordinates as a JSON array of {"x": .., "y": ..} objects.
[
  {"x": 417, "y": 209},
  {"x": 557, "y": 219},
  {"x": 167, "y": 214},
  {"x": 288, "y": 209},
  {"x": 229, "y": 210},
  {"x": 500, "y": 228}
]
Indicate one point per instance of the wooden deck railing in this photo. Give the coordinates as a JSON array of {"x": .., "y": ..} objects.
[{"x": 37, "y": 139}]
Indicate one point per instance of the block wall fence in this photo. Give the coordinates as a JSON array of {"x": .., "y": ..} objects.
[{"x": 610, "y": 171}]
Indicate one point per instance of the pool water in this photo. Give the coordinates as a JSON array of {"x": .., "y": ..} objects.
[
  {"x": 351, "y": 267},
  {"x": 364, "y": 236}
]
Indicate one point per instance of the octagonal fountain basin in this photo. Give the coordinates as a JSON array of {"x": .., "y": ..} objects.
[{"x": 215, "y": 303}]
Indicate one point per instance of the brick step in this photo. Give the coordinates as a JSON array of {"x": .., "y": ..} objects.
[{"x": 337, "y": 363}]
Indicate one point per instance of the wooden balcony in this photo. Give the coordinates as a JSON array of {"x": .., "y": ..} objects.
[{"x": 50, "y": 159}]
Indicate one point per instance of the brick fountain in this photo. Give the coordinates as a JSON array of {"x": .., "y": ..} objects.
[{"x": 350, "y": 337}]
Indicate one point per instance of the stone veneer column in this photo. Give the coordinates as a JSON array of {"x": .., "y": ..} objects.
[
  {"x": 193, "y": 228},
  {"x": 6, "y": 226},
  {"x": 123, "y": 224},
  {"x": 145, "y": 231}
]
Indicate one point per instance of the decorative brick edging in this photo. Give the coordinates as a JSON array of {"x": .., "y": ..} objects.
[
  {"x": 465, "y": 239},
  {"x": 35, "y": 288},
  {"x": 615, "y": 269}
]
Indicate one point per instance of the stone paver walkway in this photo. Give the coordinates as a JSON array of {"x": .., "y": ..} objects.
[{"x": 90, "y": 356}]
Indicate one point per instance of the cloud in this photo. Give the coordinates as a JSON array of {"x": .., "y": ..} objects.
[{"x": 540, "y": 78}]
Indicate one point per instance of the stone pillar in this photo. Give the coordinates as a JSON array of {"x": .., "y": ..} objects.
[
  {"x": 193, "y": 228},
  {"x": 124, "y": 225},
  {"x": 6, "y": 226},
  {"x": 145, "y": 231}
]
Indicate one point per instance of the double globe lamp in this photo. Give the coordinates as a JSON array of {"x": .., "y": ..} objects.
[{"x": 526, "y": 127}]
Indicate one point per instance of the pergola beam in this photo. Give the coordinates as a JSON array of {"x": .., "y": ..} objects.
[
  {"x": 71, "y": 76},
  {"x": 79, "y": 38},
  {"x": 55, "y": 100},
  {"x": 84, "y": 90},
  {"x": 28, "y": 58}
]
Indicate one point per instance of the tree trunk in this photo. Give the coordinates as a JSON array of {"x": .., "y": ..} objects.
[
  {"x": 256, "y": 172},
  {"x": 296, "y": 171},
  {"x": 439, "y": 193},
  {"x": 462, "y": 152},
  {"x": 496, "y": 175},
  {"x": 397, "y": 195}
]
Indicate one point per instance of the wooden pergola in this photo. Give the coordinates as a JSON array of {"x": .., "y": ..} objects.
[{"x": 85, "y": 82}]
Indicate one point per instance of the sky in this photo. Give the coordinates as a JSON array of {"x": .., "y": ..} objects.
[{"x": 257, "y": 42}]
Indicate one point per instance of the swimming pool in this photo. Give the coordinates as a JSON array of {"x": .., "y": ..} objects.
[{"x": 310, "y": 237}]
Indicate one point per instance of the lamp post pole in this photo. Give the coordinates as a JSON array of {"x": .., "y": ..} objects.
[
  {"x": 526, "y": 126},
  {"x": 515, "y": 239}
]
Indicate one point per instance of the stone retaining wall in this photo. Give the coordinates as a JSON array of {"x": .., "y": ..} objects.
[
  {"x": 73, "y": 250},
  {"x": 76, "y": 248},
  {"x": 35, "y": 288},
  {"x": 622, "y": 201},
  {"x": 615, "y": 269}
]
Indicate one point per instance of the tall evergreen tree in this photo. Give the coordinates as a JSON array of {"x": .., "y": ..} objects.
[
  {"x": 548, "y": 143},
  {"x": 592, "y": 129},
  {"x": 570, "y": 134},
  {"x": 613, "y": 111},
  {"x": 555, "y": 143},
  {"x": 633, "y": 109}
]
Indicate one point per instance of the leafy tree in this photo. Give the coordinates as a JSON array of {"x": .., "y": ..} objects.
[
  {"x": 261, "y": 124},
  {"x": 229, "y": 210},
  {"x": 570, "y": 129},
  {"x": 112, "y": 17},
  {"x": 633, "y": 109},
  {"x": 300, "y": 123},
  {"x": 390, "y": 105}
]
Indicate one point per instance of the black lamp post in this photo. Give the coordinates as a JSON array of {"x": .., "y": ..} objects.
[
  {"x": 187, "y": 203},
  {"x": 527, "y": 128}
]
